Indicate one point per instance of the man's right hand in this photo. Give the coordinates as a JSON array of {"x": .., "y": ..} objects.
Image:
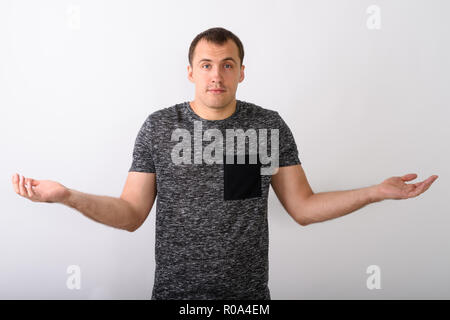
[
  {"x": 39, "y": 190},
  {"x": 127, "y": 212}
]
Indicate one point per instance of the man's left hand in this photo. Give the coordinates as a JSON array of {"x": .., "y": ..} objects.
[{"x": 396, "y": 188}]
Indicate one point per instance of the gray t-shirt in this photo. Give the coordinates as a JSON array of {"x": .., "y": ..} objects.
[{"x": 211, "y": 237}]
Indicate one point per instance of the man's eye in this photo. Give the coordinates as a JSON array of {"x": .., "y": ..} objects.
[{"x": 229, "y": 66}]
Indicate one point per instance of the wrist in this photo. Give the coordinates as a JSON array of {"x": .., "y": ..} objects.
[
  {"x": 374, "y": 194},
  {"x": 67, "y": 195}
]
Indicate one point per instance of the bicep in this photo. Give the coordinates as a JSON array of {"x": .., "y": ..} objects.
[
  {"x": 292, "y": 189},
  {"x": 140, "y": 192}
]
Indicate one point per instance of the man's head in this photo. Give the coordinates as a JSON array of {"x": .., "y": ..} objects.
[{"x": 215, "y": 62}]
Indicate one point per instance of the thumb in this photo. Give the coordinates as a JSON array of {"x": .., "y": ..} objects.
[
  {"x": 409, "y": 176},
  {"x": 33, "y": 182}
]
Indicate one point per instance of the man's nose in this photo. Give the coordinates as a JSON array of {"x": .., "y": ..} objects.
[{"x": 216, "y": 75}]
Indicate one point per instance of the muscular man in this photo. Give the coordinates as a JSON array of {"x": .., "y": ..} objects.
[{"x": 211, "y": 212}]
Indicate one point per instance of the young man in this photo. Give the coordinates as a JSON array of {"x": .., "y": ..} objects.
[{"x": 211, "y": 212}]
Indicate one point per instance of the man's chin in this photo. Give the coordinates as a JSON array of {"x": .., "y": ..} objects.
[{"x": 217, "y": 103}]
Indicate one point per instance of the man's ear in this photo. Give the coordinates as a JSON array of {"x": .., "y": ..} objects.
[
  {"x": 241, "y": 78},
  {"x": 189, "y": 69}
]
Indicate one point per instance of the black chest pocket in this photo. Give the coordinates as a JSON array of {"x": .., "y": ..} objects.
[{"x": 242, "y": 181}]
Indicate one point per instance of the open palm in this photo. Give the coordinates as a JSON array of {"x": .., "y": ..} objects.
[
  {"x": 396, "y": 188},
  {"x": 39, "y": 190}
]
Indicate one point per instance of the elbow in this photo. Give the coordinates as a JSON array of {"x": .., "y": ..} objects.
[
  {"x": 134, "y": 220},
  {"x": 302, "y": 220},
  {"x": 133, "y": 227},
  {"x": 302, "y": 215},
  {"x": 298, "y": 217}
]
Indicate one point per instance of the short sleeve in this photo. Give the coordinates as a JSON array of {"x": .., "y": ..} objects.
[
  {"x": 288, "y": 152},
  {"x": 142, "y": 160}
]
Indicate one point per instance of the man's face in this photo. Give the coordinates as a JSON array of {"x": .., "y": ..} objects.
[{"x": 215, "y": 67}]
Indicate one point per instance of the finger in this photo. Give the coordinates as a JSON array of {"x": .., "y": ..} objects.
[
  {"x": 408, "y": 177},
  {"x": 430, "y": 182},
  {"x": 21, "y": 187},
  {"x": 415, "y": 192},
  {"x": 15, "y": 181},
  {"x": 424, "y": 185},
  {"x": 28, "y": 187},
  {"x": 34, "y": 183},
  {"x": 418, "y": 184}
]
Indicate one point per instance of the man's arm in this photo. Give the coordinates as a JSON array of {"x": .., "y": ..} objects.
[
  {"x": 295, "y": 194},
  {"x": 127, "y": 212},
  {"x": 292, "y": 189},
  {"x": 325, "y": 206},
  {"x": 114, "y": 212}
]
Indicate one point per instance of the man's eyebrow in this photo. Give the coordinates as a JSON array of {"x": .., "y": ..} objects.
[{"x": 227, "y": 58}]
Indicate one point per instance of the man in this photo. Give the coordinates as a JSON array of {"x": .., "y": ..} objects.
[{"x": 211, "y": 214}]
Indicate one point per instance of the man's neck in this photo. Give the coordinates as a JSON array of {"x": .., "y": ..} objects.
[{"x": 213, "y": 113}]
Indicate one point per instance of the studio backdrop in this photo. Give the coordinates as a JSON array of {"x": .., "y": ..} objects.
[{"x": 363, "y": 85}]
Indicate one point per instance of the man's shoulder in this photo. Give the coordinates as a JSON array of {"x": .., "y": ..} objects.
[
  {"x": 166, "y": 115},
  {"x": 256, "y": 108},
  {"x": 256, "y": 111},
  {"x": 167, "y": 112}
]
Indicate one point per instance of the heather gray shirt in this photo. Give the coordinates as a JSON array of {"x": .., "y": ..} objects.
[{"x": 211, "y": 238}]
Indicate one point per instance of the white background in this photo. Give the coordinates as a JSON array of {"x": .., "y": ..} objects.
[{"x": 78, "y": 79}]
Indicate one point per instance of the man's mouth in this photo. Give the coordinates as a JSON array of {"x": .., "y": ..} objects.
[{"x": 216, "y": 90}]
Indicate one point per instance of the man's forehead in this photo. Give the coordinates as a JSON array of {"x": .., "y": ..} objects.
[{"x": 209, "y": 51}]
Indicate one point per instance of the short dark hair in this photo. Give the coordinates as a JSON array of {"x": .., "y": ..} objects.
[{"x": 218, "y": 36}]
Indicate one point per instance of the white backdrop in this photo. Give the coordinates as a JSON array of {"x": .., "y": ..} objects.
[{"x": 363, "y": 86}]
